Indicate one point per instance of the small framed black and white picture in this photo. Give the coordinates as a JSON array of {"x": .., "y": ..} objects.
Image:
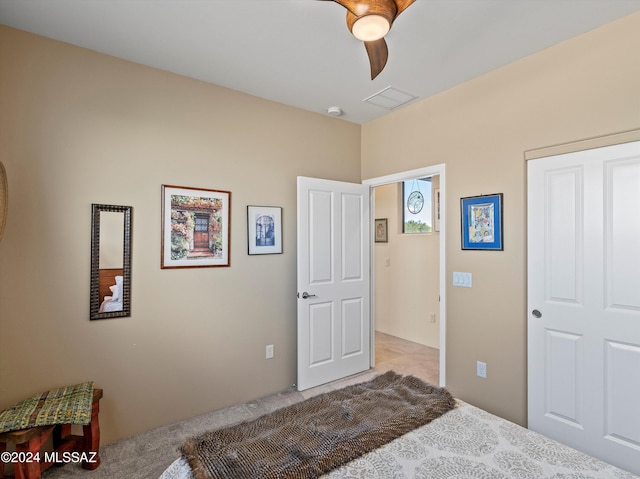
[{"x": 264, "y": 229}]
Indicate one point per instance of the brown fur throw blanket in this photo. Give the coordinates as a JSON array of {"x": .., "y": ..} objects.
[{"x": 312, "y": 437}]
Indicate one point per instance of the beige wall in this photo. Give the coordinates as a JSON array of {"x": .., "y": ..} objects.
[
  {"x": 407, "y": 275},
  {"x": 78, "y": 127},
  {"x": 583, "y": 88}
]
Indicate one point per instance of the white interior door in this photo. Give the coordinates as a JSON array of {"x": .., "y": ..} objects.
[
  {"x": 333, "y": 280},
  {"x": 584, "y": 301}
]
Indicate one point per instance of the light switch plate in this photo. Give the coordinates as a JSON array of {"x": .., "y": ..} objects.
[{"x": 464, "y": 280}]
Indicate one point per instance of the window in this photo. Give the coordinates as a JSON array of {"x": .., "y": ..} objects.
[
  {"x": 416, "y": 206},
  {"x": 202, "y": 223}
]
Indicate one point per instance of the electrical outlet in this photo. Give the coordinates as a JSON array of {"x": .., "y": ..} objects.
[
  {"x": 481, "y": 369},
  {"x": 269, "y": 351},
  {"x": 432, "y": 317}
]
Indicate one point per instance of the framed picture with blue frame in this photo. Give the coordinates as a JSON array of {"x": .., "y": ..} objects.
[{"x": 482, "y": 222}]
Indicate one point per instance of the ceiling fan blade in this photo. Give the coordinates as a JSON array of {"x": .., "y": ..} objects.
[
  {"x": 402, "y": 5},
  {"x": 378, "y": 53},
  {"x": 350, "y": 5},
  {"x": 387, "y": 8}
]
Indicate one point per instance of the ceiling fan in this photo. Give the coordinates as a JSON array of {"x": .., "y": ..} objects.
[{"x": 369, "y": 21}]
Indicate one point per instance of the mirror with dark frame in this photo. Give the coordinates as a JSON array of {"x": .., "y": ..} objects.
[{"x": 110, "y": 295}]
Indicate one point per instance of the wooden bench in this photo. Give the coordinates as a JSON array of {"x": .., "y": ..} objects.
[{"x": 66, "y": 445}]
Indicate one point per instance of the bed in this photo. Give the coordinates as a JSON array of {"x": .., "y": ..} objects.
[
  {"x": 111, "y": 289},
  {"x": 466, "y": 442}
]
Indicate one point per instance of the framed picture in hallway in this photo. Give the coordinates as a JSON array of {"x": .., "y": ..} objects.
[
  {"x": 264, "y": 226},
  {"x": 381, "y": 230},
  {"x": 482, "y": 222},
  {"x": 196, "y": 227}
]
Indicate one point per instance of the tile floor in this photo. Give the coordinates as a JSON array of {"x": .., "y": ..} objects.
[{"x": 407, "y": 357}]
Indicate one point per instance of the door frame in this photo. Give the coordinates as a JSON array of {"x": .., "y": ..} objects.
[{"x": 397, "y": 178}]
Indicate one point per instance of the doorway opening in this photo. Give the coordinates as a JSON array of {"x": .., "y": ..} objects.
[{"x": 408, "y": 274}]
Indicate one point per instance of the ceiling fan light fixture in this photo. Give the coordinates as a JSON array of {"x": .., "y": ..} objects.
[{"x": 370, "y": 28}]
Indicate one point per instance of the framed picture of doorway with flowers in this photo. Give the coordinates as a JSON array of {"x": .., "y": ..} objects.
[{"x": 196, "y": 227}]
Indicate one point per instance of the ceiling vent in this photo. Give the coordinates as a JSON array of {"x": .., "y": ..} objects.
[{"x": 390, "y": 98}]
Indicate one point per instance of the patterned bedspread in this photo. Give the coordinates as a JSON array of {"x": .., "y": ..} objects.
[{"x": 465, "y": 442}]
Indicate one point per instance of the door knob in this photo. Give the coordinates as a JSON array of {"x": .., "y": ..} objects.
[
  {"x": 306, "y": 295},
  {"x": 536, "y": 313}
]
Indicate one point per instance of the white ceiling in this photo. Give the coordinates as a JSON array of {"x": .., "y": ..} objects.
[{"x": 300, "y": 52}]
